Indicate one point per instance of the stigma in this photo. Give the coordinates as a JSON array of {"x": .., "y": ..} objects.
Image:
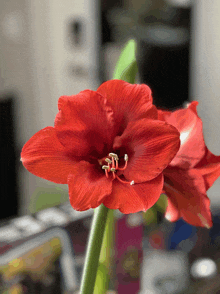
[{"x": 112, "y": 167}]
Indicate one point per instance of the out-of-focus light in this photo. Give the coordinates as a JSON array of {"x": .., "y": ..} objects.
[
  {"x": 134, "y": 219},
  {"x": 203, "y": 268}
]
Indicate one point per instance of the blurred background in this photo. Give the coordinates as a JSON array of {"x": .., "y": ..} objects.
[{"x": 51, "y": 48}]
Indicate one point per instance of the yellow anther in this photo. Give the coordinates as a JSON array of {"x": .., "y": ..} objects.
[
  {"x": 112, "y": 169},
  {"x": 105, "y": 167},
  {"x": 115, "y": 156},
  {"x": 126, "y": 157},
  {"x": 108, "y": 160}
]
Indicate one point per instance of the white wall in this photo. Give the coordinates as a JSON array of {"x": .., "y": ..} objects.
[
  {"x": 39, "y": 63},
  {"x": 205, "y": 75},
  {"x": 56, "y": 59}
]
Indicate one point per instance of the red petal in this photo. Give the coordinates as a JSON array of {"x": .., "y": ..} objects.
[
  {"x": 45, "y": 157},
  {"x": 209, "y": 167},
  {"x": 87, "y": 186},
  {"x": 189, "y": 125},
  {"x": 150, "y": 146},
  {"x": 193, "y": 106},
  {"x": 84, "y": 124},
  {"x": 128, "y": 101},
  {"x": 163, "y": 114},
  {"x": 187, "y": 193},
  {"x": 138, "y": 197}
]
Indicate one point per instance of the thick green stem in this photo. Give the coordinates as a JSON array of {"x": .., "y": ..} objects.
[
  {"x": 93, "y": 250},
  {"x": 106, "y": 256}
]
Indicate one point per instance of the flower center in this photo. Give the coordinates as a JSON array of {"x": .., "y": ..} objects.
[{"x": 113, "y": 167}]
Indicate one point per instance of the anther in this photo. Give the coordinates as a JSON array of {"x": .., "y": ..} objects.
[
  {"x": 126, "y": 157},
  {"x": 132, "y": 183},
  {"x": 105, "y": 167},
  {"x": 112, "y": 169},
  {"x": 115, "y": 156},
  {"x": 108, "y": 160}
]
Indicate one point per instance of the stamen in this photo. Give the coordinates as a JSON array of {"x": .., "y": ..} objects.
[
  {"x": 113, "y": 162},
  {"x": 116, "y": 164},
  {"x": 108, "y": 160},
  {"x": 115, "y": 156},
  {"x": 113, "y": 167},
  {"x": 105, "y": 167},
  {"x": 124, "y": 182},
  {"x": 123, "y": 168}
]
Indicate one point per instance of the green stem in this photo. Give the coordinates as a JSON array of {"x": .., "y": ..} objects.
[
  {"x": 93, "y": 250},
  {"x": 106, "y": 256}
]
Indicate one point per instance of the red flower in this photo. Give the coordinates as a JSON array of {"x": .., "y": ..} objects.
[
  {"x": 108, "y": 146},
  {"x": 192, "y": 171}
]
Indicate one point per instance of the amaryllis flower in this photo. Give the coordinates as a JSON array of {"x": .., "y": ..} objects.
[
  {"x": 108, "y": 146},
  {"x": 192, "y": 171}
]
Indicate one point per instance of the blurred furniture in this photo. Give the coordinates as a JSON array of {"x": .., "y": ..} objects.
[{"x": 8, "y": 178}]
